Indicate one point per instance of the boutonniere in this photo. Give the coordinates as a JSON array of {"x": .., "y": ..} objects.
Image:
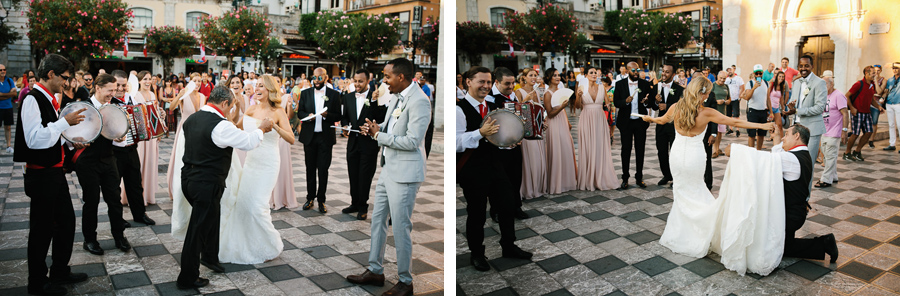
[
  {"x": 366, "y": 103},
  {"x": 805, "y": 91},
  {"x": 638, "y": 91},
  {"x": 325, "y": 98},
  {"x": 396, "y": 113},
  {"x": 671, "y": 91}
]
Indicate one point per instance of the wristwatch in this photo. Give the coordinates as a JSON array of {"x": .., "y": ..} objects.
[{"x": 844, "y": 129}]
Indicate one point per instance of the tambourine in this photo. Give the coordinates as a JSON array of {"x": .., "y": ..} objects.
[
  {"x": 512, "y": 128},
  {"x": 115, "y": 122},
  {"x": 86, "y": 131}
]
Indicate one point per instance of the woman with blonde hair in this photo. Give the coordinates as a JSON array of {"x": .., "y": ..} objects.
[{"x": 534, "y": 152}]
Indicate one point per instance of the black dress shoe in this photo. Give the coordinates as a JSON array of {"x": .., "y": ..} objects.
[
  {"x": 122, "y": 244},
  {"x": 831, "y": 247},
  {"x": 48, "y": 289},
  {"x": 664, "y": 181},
  {"x": 127, "y": 225},
  {"x": 213, "y": 266},
  {"x": 515, "y": 252},
  {"x": 200, "y": 282},
  {"x": 322, "y": 208},
  {"x": 521, "y": 215},
  {"x": 641, "y": 184},
  {"x": 146, "y": 220},
  {"x": 71, "y": 278},
  {"x": 624, "y": 185},
  {"x": 361, "y": 216},
  {"x": 480, "y": 263},
  {"x": 350, "y": 209},
  {"x": 93, "y": 248},
  {"x": 889, "y": 148},
  {"x": 309, "y": 204}
]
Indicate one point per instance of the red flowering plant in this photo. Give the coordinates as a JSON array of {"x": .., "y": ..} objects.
[
  {"x": 239, "y": 33},
  {"x": 429, "y": 41},
  {"x": 653, "y": 33},
  {"x": 353, "y": 38},
  {"x": 78, "y": 29},
  {"x": 271, "y": 52},
  {"x": 548, "y": 28},
  {"x": 169, "y": 43},
  {"x": 476, "y": 38},
  {"x": 713, "y": 36}
]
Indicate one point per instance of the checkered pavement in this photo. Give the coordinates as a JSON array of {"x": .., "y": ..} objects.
[
  {"x": 607, "y": 242},
  {"x": 319, "y": 250}
]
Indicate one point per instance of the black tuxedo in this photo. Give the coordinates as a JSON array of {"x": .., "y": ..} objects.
[
  {"x": 665, "y": 133},
  {"x": 128, "y": 165},
  {"x": 97, "y": 172},
  {"x": 711, "y": 129},
  {"x": 317, "y": 145},
  {"x": 633, "y": 131},
  {"x": 511, "y": 158},
  {"x": 362, "y": 151}
]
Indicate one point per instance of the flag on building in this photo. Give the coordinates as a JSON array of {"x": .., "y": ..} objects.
[
  {"x": 202, "y": 54},
  {"x": 126, "y": 45}
]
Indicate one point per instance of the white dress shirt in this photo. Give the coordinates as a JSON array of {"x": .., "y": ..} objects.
[
  {"x": 790, "y": 165},
  {"x": 664, "y": 88},
  {"x": 129, "y": 101},
  {"x": 632, "y": 89},
  {"x": 360, "y": 102},
  {"x": 38, "y": 136},
  {"x": 225, "y": 134},
  {"x": 319, "y": 94},
  {"x": 467, "y": 140},
  {"x": 803, "y": 85}
]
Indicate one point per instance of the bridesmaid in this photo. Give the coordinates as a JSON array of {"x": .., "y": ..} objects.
[
  {"x": 190, "y": 103},
  {"x": 560, "y": 148},
  {"x": 283, "y": 195},
  {"x": 148, "y": 151},
  {"x": 534, "y": 152},
  {"x": 167, "y": 94},
  {"x": 595, "y": 166}
]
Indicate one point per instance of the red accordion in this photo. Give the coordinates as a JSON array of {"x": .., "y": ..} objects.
[
  {"x": 146, "y": 123},
  {"x": 533, "y": 116}
]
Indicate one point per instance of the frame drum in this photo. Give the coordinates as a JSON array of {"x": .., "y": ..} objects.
[
  {"x": 512, "y": 128},
  {"x": 86, "y": 131},
  {"x": 115, "y": 122}
]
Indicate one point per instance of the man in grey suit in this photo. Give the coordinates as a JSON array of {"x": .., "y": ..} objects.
[
  {"x": 402, "y": 173},
  {"x": 810, "y": 96}
]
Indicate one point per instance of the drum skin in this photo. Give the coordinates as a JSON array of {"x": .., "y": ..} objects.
[
  {"x": 86, "y": 131},
  {"x": 115, "y": 122},
  {"x": 512, "y": 128}
]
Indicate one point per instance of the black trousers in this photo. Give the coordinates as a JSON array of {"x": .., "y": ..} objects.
[
  {"x": 429, "y": 134},
  {"x": 361, "y": 165},
  {"x": 478, "y": 193},
  {"x": 51, "y": 218},
  {"x": 633, "y": 134},
  {"x": 128, "y": 164},
  {"x": 203, "y": 229},
  {"x": 96, "y": 176},
  {"x": 707, "y": 175},
  {"x": 665, "y": 136},
  {"x": 317, "y": 155},
  {"x": 512, "y": 164},
  {"x": 808, "y": 248}
]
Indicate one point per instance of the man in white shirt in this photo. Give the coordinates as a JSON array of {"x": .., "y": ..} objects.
[
  {"x": 317, "y": 136},
  {"x": 623, "y": 74},
  {"x": 758, "y": 107},
  {"x": 735, "y": 88}
]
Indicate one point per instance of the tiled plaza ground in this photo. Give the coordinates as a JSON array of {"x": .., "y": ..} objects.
[
  {"x": 607, "y": 242},
  {"x": 320, "y": 250}
]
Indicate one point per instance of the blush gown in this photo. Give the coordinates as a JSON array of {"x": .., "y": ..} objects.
[
  {"x": 595, "y": 163},
  {"x": 561, "y": 172},
  {"x": 283, "y": 195},
  {"x": 534, "y": 165},
  {"x": 148, "y": 153}
]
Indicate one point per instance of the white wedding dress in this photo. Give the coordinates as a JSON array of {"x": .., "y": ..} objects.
[
  {"x": 745, "y": 225},
  {"x": 246, "y": 232}
]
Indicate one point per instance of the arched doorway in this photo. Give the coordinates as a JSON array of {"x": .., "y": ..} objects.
[{"x": 821, "y": 49}]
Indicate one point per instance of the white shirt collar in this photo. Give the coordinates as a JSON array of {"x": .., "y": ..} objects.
[
  {"x": 632, "y": 81},
  {"x": 207, "y": 108},
  {"x": 405, "y": 92},
  {"x": 473, "y": 101},
  {"x": 96, "y": 102}
]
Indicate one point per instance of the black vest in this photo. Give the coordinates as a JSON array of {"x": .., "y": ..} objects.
[
  {"x": 483, "y": 160},
  {"x": 42, "y": 157},
  {"x": 795, "y": 192},
  {"x": 203, "y": 160}
]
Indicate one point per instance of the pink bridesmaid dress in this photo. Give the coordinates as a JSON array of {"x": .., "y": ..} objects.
[
  {"x": 187, "y": 108},
  {"x": 534, "y": 165},
  {"x": 148, "y": 152},
  {"x": 561, "y": 170},
  {"x": 595, "y": 164},
  {"x": 283, "y": 195}
]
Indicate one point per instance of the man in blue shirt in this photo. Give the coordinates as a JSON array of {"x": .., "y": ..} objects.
[
  {"x": 8, "y": 92},
  {"x": 892, "y": 95}
]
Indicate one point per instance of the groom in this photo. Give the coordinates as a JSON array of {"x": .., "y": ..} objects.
[
  {"x": 402, "y": 173},
  {"x": 809, "y": 97},
  {"x": 209, "y": 139}
]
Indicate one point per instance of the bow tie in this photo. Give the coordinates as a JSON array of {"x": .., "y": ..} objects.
[
  {"x": 632, "y": 83},
  {"x": 360, "y": 95},
  {"x": 803, "y": 80},
  {"x": 666, "y": 84}
]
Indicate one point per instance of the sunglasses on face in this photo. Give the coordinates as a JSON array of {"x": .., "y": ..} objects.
[
  {"x": 66, "y": 78},
  {"x": 876, "y": 66},
  {"x": 89, "y": 79},
  {"x": 758, "y": 74},
  {"x": 319, "y": 77},
  {"x": 3, "y": 70}
]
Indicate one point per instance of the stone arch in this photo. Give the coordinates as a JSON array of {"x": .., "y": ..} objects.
[{"x": 787, "y": 9}]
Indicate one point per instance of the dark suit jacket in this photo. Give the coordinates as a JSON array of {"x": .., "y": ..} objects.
[
  {"x": 671, "y": 100},
  {"x": 307, "y": 105},
  {"x": 622, "y": 92},
  {"x": 373, "y": 112}
]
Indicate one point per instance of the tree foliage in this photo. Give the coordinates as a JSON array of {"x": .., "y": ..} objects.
[
  {"x": 476, "y": 38},
  {"x": 353, "y": 38},
  {"x": 429, "y": 41},
  {"x": 653, "y": 34},
  {"x": 239, "y": 33},
  {"x": 8, "y": 36},
  {"x": 579, "y": 49},
  {"x": 713, "y": 36},
  {"x": 308, "y": 25},
  {"x": 611, "y": 22},
  {"x": 271, "y": 52},
  {"x": 549, "y": 28},
  {"x": 169, "y": 43},
  {"x": 78, "y": 28}
]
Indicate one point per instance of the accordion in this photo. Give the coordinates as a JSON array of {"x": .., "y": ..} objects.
[
  {"x": 533, "y": 116},
  {"x": 147, "y": 122}
]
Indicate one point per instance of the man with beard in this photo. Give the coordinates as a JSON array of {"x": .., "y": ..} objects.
[
  {"x": 667, "y": 94},
  {"x": 810, "y": 96},
  {"x": 128, "y": 163},
  {"x": 317, "y": 137},
  {"x": 501, "y": 93},
  {"x": 362, "y": 151},
  {"x": 632, "y": 96}
]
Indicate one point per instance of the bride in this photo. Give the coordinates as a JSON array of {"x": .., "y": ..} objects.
[
  {"x": 696, "y": 220},
  {"x": 246, "y": 232}
]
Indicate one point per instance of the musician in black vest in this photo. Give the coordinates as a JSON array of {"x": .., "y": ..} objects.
[
  {"x": 209, "y": 139},
  {"x": 97, "y": 173},
  {"x": 502, "y": 92},
  {"x": 317, "y": 136},
  {"x": 39, "y": 146},
  {"x": 632, "y": 95},
  {"x": 667, "y": 94},
  {"x": 128, "y": 162},
  {"x": 362, "y": 151},
  {"x": 797, "y": 166},
  {"x": 480, "y": 172}
]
